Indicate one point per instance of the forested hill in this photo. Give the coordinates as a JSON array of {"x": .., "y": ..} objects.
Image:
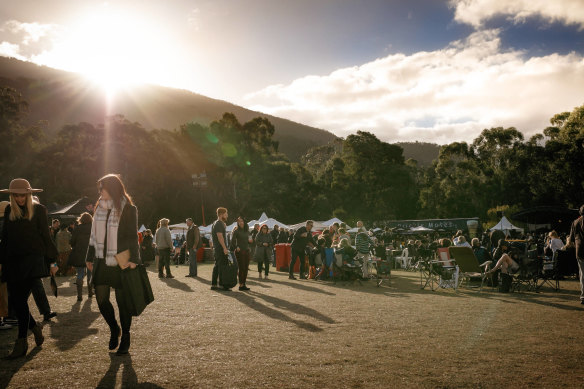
[
  {"x": 424, "y": 153},
  {"x": 60, "y": 98}
]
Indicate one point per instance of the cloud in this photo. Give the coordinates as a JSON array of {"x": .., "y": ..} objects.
[
  {"x": 27, "y": 40},
  {"x": 477, "y": 12},
  {"x": 440, "y": 96},
  {"x": 12, "y": 50}
]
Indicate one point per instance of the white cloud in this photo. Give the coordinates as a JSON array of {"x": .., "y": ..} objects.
[
  {"x": 439, "y": 96},
  {"x": 11, "y": 50},
  {"x": 477, "y": 12},
  {"x": 32, "y": 32}
]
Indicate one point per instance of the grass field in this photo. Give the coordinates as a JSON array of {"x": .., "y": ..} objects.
[{"x": 312, "y": 334}]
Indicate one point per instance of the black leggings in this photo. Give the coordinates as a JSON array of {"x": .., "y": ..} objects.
[
  {"x": 18, "y": 293},
  {"x": 102, "y": 295},
  {"x": 266, "y": 261}
]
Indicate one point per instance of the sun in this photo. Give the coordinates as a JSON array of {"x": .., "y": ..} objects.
[{"x": 116, "y": 49}]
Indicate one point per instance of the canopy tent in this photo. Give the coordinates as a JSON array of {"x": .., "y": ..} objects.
[
  {"x": 421, "y": 229},
  {"x": 547, "y": 217},
  {"x": 75, "y": 208},
  {"x": 143, "y": 228},
  {"x": 269, "y": 221},
  {"x": 317, "y": 226},
  {"x": 179, "y": 226},
  {"x": 505, "y": 226},
  {"x": 332, "y": 221}
]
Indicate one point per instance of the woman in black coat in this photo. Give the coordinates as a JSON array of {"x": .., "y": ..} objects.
[
  {"x": 79, "y": 243},
  {"x": 114, "y": 231},
  {"x": 24, "y": 248}
]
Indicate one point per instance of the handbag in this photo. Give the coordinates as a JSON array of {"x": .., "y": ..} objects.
[
  {"x": 123, "y": 258},
  {"x": 136, "y": 289}
]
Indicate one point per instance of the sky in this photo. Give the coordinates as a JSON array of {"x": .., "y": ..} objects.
[{"x": 405, "y": 70}]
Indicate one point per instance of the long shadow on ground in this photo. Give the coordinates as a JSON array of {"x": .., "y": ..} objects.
[
  {"x": 129, "y": 376},
  {"x": 302, "y": 285},
  {"x": 72, "y": 327},
  {"x": 293, "y": 307},
  {"x": 174, "y": 283},
  {"x": 9, "y": 368},
  {"x": 272, "y": 313}
]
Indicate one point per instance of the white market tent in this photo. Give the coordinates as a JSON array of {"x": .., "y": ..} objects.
[
  {"x": 269, "y": 221},
  {"x": 505, "y": 226},
  {"x": 421, "y": 229},
  {"x": 317, "y": 226},
  {"x": 180, "y": 226},
  {"x": 332, "y": 221}
]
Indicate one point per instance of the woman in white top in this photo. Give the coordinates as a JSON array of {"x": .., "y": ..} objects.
[{"x": 554, "y": 241}]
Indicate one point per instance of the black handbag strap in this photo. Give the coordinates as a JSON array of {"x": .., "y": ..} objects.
[{"x": 105, "y": 239}]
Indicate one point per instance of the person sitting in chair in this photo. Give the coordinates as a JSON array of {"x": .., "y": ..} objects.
[{"x": 504, "y": 262}]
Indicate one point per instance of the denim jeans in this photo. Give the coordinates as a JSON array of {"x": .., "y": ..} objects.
[
  {"x": 192, "y": 262},
  {"x": 81, "y": 273}
]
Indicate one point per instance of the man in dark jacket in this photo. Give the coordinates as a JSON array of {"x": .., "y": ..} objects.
[
  {"x": 302, "y": 238},
  {"x": 576, "y": 238},
  {"x": 193, "y": 244}
]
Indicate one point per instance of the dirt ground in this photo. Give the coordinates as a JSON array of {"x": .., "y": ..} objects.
[{"x": 311, "y": 334}]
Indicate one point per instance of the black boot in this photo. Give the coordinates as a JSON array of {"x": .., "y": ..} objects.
[
  {"x": 124, "y": 344},
  {"x": 89, "y": 289},
  {"x": 37, "y": 331},
  {"x": 20, "y": 349},
  {"x": 79, "y": 291},
  {"x": 114, "y": 337}
]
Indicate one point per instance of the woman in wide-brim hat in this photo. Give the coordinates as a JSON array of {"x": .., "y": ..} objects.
[{"x": 24, "y": 246}]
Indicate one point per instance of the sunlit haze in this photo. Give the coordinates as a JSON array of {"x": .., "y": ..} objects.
[{"x": 423, "y": 70}]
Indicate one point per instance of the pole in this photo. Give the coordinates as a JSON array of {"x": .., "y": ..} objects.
[{"x": 203, "y": 208}]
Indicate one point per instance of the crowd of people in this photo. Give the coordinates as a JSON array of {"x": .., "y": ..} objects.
[{"x": 91, "y": 248}]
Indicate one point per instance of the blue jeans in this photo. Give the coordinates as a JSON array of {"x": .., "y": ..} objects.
[
  {"x": 192, "y": 262},
  {"x": 81, "y": 273}
]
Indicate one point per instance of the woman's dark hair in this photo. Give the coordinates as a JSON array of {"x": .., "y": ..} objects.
[
  {"x": 85, "y": 218},
  {"x": 245, "y": 226},
  {"x": 113, "y": 184}
]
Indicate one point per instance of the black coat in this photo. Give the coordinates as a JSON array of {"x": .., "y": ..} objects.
[
  {"x": 79, "y": 245},
  {"x": 127, "y": 235},
  {"x": 23, "y": 240}
]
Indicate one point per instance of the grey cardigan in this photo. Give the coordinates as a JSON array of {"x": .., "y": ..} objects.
[{"x": 261, "y": 250}]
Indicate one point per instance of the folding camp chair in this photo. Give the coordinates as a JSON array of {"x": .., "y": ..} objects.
[
  {"x": 548, "y": 272},
  {"x": 467, "y": 264},
  {"x": 439, "y": 273},
  {"x": 347, "y": 272}
]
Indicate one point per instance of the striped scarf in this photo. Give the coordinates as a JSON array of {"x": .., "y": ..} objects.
[{"x": 101, "y": 223}]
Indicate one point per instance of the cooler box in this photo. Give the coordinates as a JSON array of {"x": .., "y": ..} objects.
[
  {"x": 200, "y": 254},
  {"x": 283, "y": 255}
]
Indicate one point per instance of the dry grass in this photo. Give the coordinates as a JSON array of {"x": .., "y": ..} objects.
[{"x": 307, "y": 334}]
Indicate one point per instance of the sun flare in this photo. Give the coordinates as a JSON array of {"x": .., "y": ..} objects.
[{"x": 115, "y": 49}]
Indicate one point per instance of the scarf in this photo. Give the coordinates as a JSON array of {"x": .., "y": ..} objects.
[{"x": 106, "y": 219}]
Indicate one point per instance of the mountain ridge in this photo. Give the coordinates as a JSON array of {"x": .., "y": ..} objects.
[{"x": 58, "y": 98}]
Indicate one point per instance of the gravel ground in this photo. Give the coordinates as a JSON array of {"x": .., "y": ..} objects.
[{"x": 311, "y": 334}]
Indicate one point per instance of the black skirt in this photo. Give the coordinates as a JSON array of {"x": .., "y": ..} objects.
[{"x": 106, "y": 275}]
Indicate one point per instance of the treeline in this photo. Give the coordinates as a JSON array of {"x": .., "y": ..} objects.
[{"x": 359, "y": 177}]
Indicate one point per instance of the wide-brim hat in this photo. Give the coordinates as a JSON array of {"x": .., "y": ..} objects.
[{"x": 20, "y": 186}]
